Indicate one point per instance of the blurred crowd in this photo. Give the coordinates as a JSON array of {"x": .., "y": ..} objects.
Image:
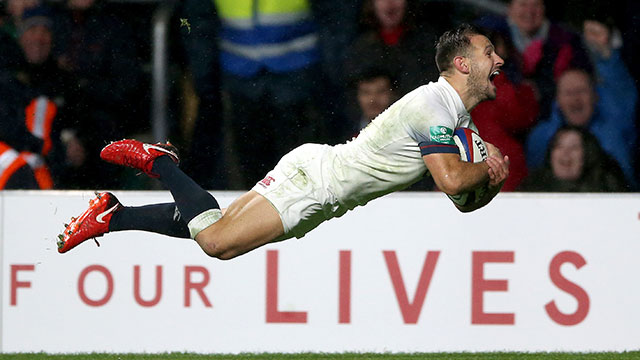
[{"x": 250, "y": 80}]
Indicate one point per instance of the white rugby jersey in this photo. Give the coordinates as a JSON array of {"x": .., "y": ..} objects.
[{"x": 387, "y": 155}]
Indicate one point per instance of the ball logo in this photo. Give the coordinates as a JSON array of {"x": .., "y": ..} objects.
[{"x": 481, "y": 148}]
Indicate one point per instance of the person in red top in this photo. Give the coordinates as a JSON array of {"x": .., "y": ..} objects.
[
  {"x": 546, "y": 47},
  {"x": 392, "y": 36},
  {"x": 505, "y": 121}
]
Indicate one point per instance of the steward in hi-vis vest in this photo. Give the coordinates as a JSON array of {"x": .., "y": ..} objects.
[
  {"x": 39, "y": 116},
  {"x": 276, "y": 35},
  {"x": 269, "y": 52},
  {"x": 10, "y": 162}
]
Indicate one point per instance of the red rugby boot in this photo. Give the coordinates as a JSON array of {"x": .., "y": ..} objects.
[
  {"x": 92, "y": 223},
  {"x": 138, "y": 155}
]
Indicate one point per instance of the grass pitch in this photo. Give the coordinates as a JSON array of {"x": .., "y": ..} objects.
[{"x": 345, "y": 356}]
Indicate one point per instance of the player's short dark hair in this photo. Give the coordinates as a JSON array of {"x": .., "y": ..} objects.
[{"x": 454, "y": 43}]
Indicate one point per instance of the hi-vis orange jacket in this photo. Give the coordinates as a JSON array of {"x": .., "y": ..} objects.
[
  {"x": 10, "y": 162},
  {"x": 39, "y": 116}
]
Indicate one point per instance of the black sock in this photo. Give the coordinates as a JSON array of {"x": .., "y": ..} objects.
[
  {"x": 191, "y": 199},
  {"x": 158, "y": 218}
]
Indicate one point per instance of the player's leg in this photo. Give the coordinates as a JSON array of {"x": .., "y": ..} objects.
[
  {"x": 288, "y": 200},
  {"x": 190, "y": 198},
  {"x": 106, "y": 214},
  {"x": 248, "y": 223},
  {"x": 160, "y": 161},
  {"x": 251, "y": 220},
  {"x": 163, "y": 219}
]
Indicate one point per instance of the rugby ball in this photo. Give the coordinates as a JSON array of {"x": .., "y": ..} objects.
[{"x": 472, "y": 149}]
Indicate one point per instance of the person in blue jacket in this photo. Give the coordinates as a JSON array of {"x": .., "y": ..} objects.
[{"x": 606, "y": 109}]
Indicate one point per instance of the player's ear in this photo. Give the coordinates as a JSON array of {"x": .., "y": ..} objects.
[{"x": 461, "y": 64}]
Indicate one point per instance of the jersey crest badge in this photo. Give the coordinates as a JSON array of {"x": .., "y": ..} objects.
[{"x": 441, "y": 135}]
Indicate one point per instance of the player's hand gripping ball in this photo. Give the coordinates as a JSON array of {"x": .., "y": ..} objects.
[{"x": 472, "y": 149}]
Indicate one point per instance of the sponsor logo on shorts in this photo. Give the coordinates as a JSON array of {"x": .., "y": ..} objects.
[
  {"x": 441, "y": 135},
  {"x": 266, "y": 181}
]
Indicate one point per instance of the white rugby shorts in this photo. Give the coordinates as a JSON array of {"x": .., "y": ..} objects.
[{"x": 296, "y": 190}]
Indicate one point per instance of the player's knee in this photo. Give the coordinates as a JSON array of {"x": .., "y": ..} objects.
[
  {"x": 224, "y": 255},
  {"x": 217, "y": 248}
]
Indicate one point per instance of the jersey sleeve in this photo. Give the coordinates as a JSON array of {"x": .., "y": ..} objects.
[
  {"x": 473, "y": 127},
  {"x": 431, "y": 126}
]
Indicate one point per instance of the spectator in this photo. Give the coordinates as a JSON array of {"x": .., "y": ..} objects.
[
  {"x": 392, "y": 37},
  {"x": 580, "y": 103},
  {"x": 35, "y": 36},
  {"x": 374, "y": 93},
  {"x": 547, "y": 49},
  {"x": 505, "y": 121},
  {"x": 10, "y": 53},
  {"x": 615, "y": 84},
  {"x": 575, "y": 162},
  {"x": 95, "y": 48},
  {"x": 34, "y": 102},
  {"x": 269, "y": 56}
]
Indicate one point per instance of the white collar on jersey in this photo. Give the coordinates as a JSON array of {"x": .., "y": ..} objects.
[{"x": 454, "y": 98}]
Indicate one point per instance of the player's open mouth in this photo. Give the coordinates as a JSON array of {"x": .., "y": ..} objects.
[{"x": 493, "y": 75}]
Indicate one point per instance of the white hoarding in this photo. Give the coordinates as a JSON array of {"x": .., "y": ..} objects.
[{"x": 405, "y": 273}]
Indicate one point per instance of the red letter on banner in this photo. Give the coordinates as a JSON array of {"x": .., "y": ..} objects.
[
  {"x": 344, "y": 316},
  {"x": 411, "y": 310},
  {"x": 273, "y": 315},
  {"x": 563, "y": 284},
  {"x": 480, "y": 285},
  {"x": 198, "y": 287},
  {"x": 136, "y": 287},
  {"x": 106, "y": 296},
  {"x": 15, "y": 284}
]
